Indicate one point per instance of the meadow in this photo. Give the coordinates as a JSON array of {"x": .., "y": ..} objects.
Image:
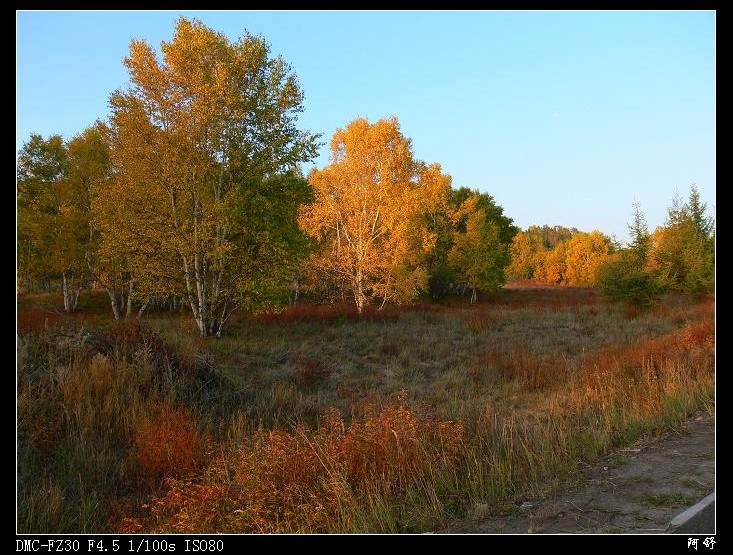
[{"x": 320, "y": 419}]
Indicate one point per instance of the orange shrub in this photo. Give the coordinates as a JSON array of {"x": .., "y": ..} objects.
[
  {"x": 166, "y": 443},
  {"x": 700, "y": 335},
  {"x": 302, "y": 480}
]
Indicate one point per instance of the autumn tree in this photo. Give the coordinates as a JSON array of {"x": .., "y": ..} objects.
[
  {"x": 197, "y": 144},
  {"x": 525, "y": 252},
  {"x": 532, "y": 253},
  {"x": 89, "y": 174},
  {"x": 551, "y": 236},
  {"x": 367, "y": 217},
  {"x": 552, "y": 267},
  {"x": 440, "y": 218},
  {"x": 682, "y": 251},
  {"x": 478, "y": 255},
  {"x": 584, "y": 254},
  {"x": 41, "y": 167},
  {"x": 53, "y": 216}
]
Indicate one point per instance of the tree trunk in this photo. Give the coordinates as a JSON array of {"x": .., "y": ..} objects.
[
  {"x": 359, "y": 293},
  {"x": 296, "y": 291},
  {"x": 113, "y": 301},
  {"x": 65, "y": 291},
  {"x": 70, "y": 291},
  {"x": 129, "y": 300},
  {"x": 75, "y": 302},
  {"x": 473, "y": 295},
  {"x": 144, "y": 306}
]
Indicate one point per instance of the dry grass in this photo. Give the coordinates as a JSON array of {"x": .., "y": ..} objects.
[
  {"x": 306, "y": 480},
  {"x": 301, "y": 423}
]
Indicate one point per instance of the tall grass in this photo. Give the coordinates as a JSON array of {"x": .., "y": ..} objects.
[
  {"x": 102, "y": 419},
  {"x": 400, "y": 469},
  {"x": 121, "y": 429}
]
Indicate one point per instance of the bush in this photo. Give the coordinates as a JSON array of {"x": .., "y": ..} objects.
[
  {"x": 620, "y": 280},
  {"x": 166, "y": 443}
]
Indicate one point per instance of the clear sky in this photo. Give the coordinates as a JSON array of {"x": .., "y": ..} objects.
[{"x": 564, "y": 117}]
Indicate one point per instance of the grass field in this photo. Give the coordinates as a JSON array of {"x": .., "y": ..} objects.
[{"x": 315, "y": 420}]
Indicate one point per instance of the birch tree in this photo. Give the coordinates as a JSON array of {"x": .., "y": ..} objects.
[
  {"x": 51, "y": 218},
  {"x": 367, "y": 214},
  {"x": 477, "y": 256},
  {"x": 41, "y": 166},
  {"x": 195, "y": 141}
]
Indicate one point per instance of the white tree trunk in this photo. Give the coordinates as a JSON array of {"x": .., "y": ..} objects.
[{"x": 65, "y": 291}]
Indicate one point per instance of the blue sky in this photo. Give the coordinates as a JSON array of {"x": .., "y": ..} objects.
[{"x": 564, "y": 117}]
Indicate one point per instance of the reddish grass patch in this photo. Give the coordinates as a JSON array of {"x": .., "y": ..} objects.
[
  {"x": 650, "y": 354},
  {"x": 166, "y": 444},
  {"x": 37, "y": 320},
  {"x": 548, "y": 297},
  {"x": 533, "y": 284},
  {"x": 479, "y": 320},
  {"x": 310, "y": 372},
  {"x": 533, "y": 372},
  {"x": 301, "y": 480}
]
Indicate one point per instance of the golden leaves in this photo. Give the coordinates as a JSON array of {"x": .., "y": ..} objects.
[{"x": 368, "y": 208}]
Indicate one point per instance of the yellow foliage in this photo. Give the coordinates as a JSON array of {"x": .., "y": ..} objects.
[
  {"x": 585, "y": 252},
  {"x": 574, "y": 262},
  {"x": 367, "y": 213},
  {"x": 526, "y": 254}
]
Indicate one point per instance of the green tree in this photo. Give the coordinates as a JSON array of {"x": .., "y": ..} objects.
[
  {"x": 41, "y": 166},
  {"x": 640, "y": 239},
  {"x": 551, "y": 236},
  {"x": 478, "y": 255},
  {"x": 52, "y": 218},
  {"x": 626, "y": 276},
  {"x": 683, "y": 250},
  {"x": 452, "y": 217},
  {"x": 620, "y": 279}
]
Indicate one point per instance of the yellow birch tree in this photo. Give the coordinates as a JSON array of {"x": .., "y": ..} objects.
[{"x": 368, "y": 214}]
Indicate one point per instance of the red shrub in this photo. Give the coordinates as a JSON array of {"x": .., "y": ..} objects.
[
  {"x": 166, "y": 443},
  {"x": 300, "y": 480}
]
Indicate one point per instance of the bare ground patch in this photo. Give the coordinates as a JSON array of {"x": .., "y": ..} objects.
[{"x": 636, "y": 489}]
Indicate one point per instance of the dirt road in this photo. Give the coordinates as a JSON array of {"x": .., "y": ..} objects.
[{"x": 638, "y": 489}]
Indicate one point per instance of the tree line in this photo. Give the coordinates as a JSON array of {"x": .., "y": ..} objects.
[
  {"x": 678, "y": 256},
  {"x": 191, "y": 194},
  {"x": 559, "y": 255}
]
